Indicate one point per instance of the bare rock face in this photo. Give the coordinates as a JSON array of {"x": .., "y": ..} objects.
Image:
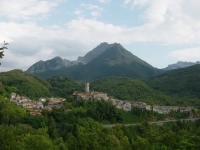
[
  {"x": 53, "y": 64},
  {"x": 180, "y": 64}
]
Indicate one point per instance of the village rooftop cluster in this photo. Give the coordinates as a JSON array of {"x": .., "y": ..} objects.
[
  {"x": 36, "y": 107},
  {"x": 127, "y": 105}
]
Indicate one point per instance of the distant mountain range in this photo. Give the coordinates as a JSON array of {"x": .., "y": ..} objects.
[
  {"x": 104, "y": 60},
  {"x": 180, "y": 64}
]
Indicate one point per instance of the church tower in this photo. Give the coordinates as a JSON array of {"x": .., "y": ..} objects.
[{"x": 87, "y": 87}]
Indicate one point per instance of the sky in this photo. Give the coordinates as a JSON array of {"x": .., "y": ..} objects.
[{"x": 160, "y": 32}]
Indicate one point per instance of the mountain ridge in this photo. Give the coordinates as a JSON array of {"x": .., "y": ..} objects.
[
  {"x": 52, "y": 64},
  {"x": 114, "y": 61},
  {"x": 180, "y": 64}
]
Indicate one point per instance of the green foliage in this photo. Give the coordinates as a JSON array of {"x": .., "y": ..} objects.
[
  {"x": 75, "y": 129},
  {"x": 100, "y": 111},
  {"x": 131, "y": 89},
  {"x": 64, "y": 87},
  {"x": 182, "y": 84},
  {"x": 10, "y": 113},
  {"x": 3, "y": 48},
  {"x": 25, "y": 137},
  {"x": 24, "y": 84}
]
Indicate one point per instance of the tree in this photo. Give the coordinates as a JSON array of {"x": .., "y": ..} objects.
[{"x": 2, "y": 48}]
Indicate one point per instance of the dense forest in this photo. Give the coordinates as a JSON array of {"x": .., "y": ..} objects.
[
  {"x": 177, "y": 87},
  {"x": 81, "y": 128},
  {"x": 24, "y": 84}
]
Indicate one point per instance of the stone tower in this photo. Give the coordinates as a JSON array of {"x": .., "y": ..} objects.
[{"x": 87, "y": 87}]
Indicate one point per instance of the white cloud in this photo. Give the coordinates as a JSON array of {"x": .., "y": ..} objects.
[
  {"x": 166, "y": 22},
  {"x": 94, "y": 10},
  {"x": 91, "y": 7},
  {"x": 127, "y": 1},
  {"x": 104, "y": 1},
  {"x": 186, "y": 54},
  {"x": 95, "y": 13},
  {"x": 30, "y": 43},
  {"x": 169, "y": 22},
  {"x": 78, "y": 12},
  {"x": 26, "y": 9}
]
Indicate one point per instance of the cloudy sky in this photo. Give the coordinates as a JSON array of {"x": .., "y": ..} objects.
[{"x": 161, "y": 32}]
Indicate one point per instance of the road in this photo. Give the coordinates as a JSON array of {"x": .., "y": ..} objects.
[{"x": 155, "y": 122}]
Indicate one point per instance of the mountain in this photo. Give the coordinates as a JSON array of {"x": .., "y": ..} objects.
[
  {"x": 57, "y": 62},
  {"x": 53, "y": 64},
  {"x": 23, "y": 83},
  {"x": 180, "y": 64},
  {"x": 184, "y": 82},
  {"x": 94, "y": 53},
  {"x": 114, "y": 61}
]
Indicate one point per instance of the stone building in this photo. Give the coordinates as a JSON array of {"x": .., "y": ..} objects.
[{"x": 90, "y": 94}]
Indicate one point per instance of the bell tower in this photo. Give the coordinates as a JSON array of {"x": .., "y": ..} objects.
[{"x": 87, "y": 87}]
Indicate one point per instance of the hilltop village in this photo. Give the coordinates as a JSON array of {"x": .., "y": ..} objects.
[
  {"x": 125, "y": 104},
  {"x": 35, "y": 107}
]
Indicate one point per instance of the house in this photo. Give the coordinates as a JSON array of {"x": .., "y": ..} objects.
[
  {"x": 186, "y": 109},
  {"x": 55, "y": 102},
  {"x": 90, "y": 94},
  {"x": 126, "y": 105},
  {"x": 140, "y": 105},
  {"x": 164, "y": 109},
  {"x": 35, "y": 112},
  {"x": 42, "y": 99}
]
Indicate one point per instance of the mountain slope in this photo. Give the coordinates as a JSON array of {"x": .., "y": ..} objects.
[
  {"x": 115, "y": 61},
  {"x": 24, "y": 84},
  {"x": 183, "y": 82},
  {"x": 94, "y": 53},
  {"x": 53, "y": 64},
  {"x": 180, "y": 64},
  {"x": 131, "y": 89}
]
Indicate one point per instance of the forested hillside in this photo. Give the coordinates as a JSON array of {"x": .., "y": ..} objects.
[
  {"x": 63, "y": 86},
  {"x": 34, "y": 87},
  {"x": 81, "y": 128},
  {"x": 183, "y": 82},
  {"x": 24, "y": 84},
  {"x": 132, "y": 89},
  {"x": 177, "y": 87}
]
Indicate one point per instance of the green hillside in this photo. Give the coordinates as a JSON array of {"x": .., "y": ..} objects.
[
  {"x": 131, "y": 89},
  {"x": 183, "y": 82},
  {"x": 63, "y": 86},
  {"x": 24, "y": 84}
]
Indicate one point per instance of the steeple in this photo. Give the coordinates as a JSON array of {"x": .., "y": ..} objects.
[{"x": 87, "y": 87}]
